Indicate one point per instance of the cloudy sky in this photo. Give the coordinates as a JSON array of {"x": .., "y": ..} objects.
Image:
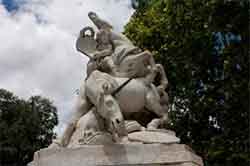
[{"x": 37, "y": 46}]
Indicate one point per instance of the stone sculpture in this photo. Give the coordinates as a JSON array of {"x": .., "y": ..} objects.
[
  {"x": 120, "y": 112},
  {"x": 120, "y": 82}
]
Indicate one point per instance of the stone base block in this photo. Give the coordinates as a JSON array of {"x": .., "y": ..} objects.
[{"x": 119, "y": 155}]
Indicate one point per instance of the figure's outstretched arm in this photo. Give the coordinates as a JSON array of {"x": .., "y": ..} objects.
[{"x": 99, "y": 23}]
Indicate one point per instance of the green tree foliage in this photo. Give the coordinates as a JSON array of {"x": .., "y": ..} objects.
[
  {"x": 209, "y": 88},
  {"x": 25, "y": 127}
]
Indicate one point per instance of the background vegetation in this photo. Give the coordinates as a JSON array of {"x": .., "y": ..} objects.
[
  {"x": 25, "y": 127},
  {"x": 203, "y": 45}
]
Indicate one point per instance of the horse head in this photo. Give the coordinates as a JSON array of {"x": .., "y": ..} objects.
[{"x": 108, "y": 107}]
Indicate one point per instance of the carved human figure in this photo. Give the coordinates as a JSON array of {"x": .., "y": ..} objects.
[
  {"x": 117, "y": 63},
  {"x": 104, "y": 48},
  {"x": 118, "y": 56}
]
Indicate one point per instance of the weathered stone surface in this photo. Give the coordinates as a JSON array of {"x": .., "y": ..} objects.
[
  {"x": 153, "y": 137},
  {"x": 114, "y": 155},
  {"x": 132, "y": 125},
  {"x": 170, "y": 132}
]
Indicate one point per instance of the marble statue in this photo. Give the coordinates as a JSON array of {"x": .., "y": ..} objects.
[
  {"x": 121, "y": 113},
  {"x": 120, "y": 82}
]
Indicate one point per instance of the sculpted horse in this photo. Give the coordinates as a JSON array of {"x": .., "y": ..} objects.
[
  {"x": 137, "y": 96},
  {"x": 140, "y": 94}
]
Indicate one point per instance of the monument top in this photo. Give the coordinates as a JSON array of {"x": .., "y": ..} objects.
[{"x": 121, "y": 114}]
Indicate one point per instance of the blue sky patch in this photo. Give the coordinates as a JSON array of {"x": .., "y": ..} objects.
[{"x": 12, "y": 5}]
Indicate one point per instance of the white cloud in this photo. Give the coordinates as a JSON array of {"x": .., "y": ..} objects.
[{"x": 37, "y": 50}]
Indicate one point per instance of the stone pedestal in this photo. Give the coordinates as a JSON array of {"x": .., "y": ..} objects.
[{"x": 119, "y": 155}]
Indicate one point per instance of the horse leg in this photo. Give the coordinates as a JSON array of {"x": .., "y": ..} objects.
[
  {"x": 153, "y": 104},
  {"x": 163, "y": 79},
  {"x": 82, "y": 107}
]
